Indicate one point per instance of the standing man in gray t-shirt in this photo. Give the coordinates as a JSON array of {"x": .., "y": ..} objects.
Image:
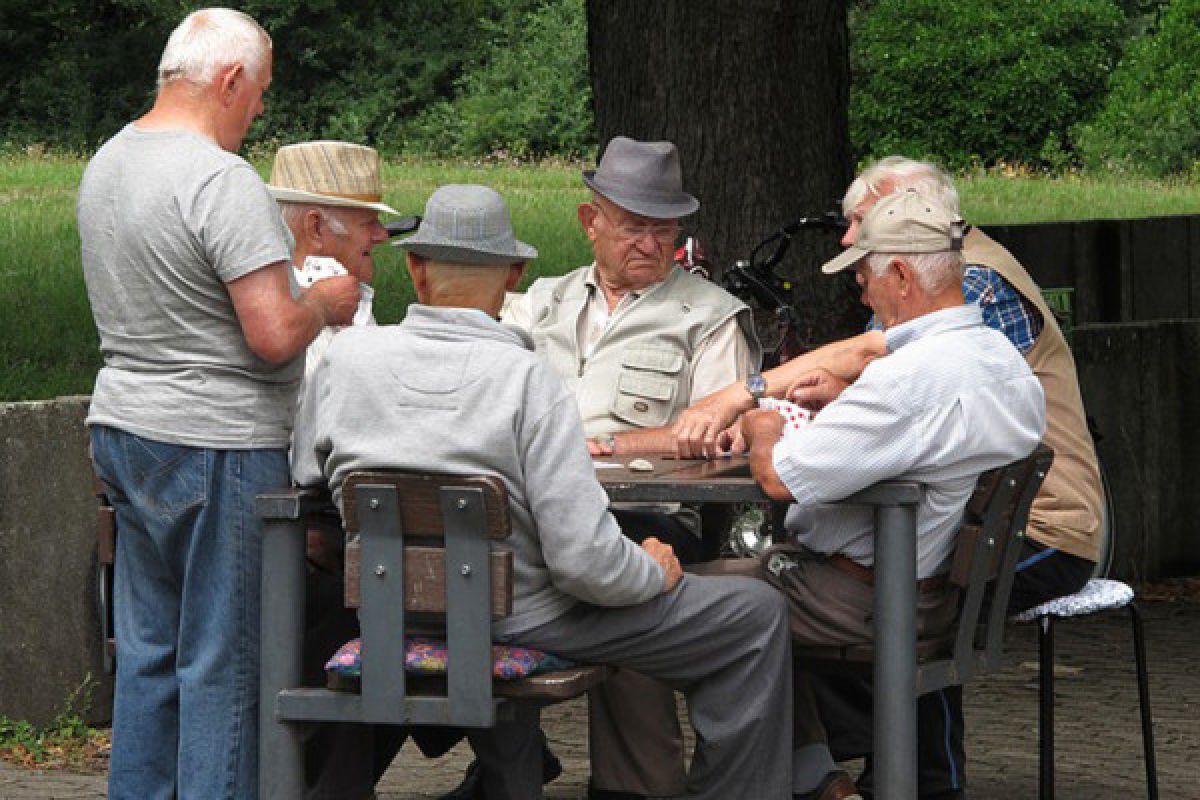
[{"x": 186, "y": 261}]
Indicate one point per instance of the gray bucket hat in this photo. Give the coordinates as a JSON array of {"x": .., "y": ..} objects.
[
  {"x": 467, "y": 224},
  {"x": 642, "y": 177}
]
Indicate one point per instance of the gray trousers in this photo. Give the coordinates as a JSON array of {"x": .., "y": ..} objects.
[{"x": 722, "y": 642}]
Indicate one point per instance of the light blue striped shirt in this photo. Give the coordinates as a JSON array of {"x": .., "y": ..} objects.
[{"x": 952, "y": 399}]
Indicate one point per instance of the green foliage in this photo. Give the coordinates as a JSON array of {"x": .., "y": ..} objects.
[
  {"x": 482, "y": 75},
  {"x": 1150, "y": 121},
  {"x": 963, "y": 80},
  {"x": 528, "y": 94},
  {"x": 67, "y": 741}
]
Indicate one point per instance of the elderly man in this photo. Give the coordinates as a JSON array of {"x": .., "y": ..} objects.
[
  {"x": 951, "y": 400},
  {"x": 1062, "y": 537},
  {"x": 331, "y": 195},
  {"x": 186, "y": 262},
  {"x": 637, "y": 340},
  {"x": 583, "y": 591}
]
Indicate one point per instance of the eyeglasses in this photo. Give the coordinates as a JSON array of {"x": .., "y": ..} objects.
[{"x": 660, "y": 231}]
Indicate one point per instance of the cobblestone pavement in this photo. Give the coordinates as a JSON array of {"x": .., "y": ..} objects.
[{"x": 1098, "y": 733}]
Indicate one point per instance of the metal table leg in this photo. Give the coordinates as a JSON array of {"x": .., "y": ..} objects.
[
  {"x": 895, "y": 653},
  {"x": 281, "y": 749}
]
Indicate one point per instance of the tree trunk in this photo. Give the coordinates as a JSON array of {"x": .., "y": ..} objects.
[{"x": 755, "y": 95}]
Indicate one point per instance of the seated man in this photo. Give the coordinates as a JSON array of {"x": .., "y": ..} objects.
[
  {"x": 1062, "y": 538},
  {"x": 951, "y": 400},
  {"x": 452, "y": 390},
  {"x": 636, "y": 340}
]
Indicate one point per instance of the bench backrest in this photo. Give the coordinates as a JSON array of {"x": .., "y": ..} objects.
[{"x": 422, "y": 560}]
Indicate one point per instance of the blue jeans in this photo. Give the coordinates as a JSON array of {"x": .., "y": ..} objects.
[{"x": 186, "y": 605}]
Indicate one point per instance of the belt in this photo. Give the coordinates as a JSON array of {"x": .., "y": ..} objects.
[{"x": 867, "y": 574}]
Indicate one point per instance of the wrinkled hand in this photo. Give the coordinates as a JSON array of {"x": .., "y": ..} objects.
[
  {"x": 815, "y": 389},
  {"x": 336, "y": 298},
  {"x": 731, "y": 439},
  {"x": 763, "y": 426},
  {"x": 698, "y": 426},
  {"x": 665, "y": 556}
]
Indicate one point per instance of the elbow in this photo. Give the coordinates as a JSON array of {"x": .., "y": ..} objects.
[
  {"x": 775, "y": 490},
  {"x": 274, "y": 347}
]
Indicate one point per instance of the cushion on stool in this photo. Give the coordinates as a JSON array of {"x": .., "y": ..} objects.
[{"x": 1099, "y": 594}]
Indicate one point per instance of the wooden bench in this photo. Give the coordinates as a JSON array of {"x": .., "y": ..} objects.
[{"x": 420, "y": 560}]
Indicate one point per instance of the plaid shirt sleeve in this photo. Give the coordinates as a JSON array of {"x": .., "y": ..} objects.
[{"x": 1003, "y": 306}]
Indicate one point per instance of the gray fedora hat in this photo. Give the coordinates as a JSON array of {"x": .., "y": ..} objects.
[
  {"x": 467, "y": 224},
  {"x": 642, "y": 177}
]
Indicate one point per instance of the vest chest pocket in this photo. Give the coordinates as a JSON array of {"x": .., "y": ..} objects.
[{"x": 647, "y": 386}]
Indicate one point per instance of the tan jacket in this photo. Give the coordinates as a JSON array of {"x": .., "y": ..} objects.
[
  {"x": 1067, "y": 511},
  {"x": 639, "y": 373}
]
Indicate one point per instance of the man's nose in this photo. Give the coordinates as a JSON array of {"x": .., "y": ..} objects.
[
  {"x": 379, "y": 233},
  {"x": 850, "y": 235}
]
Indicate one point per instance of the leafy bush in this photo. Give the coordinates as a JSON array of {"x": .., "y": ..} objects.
[
  {"x": 528, "y": 95},
  {"x": 1150, "y": 121},
  {"x": 961, "y": 79}
]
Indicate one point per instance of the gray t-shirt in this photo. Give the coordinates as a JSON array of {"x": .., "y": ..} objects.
[{"x": 166, "y": 219}]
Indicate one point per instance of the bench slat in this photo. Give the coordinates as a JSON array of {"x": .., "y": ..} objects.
[{"x": 425, "y": 579}]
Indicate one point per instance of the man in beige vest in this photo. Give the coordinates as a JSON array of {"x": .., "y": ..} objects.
[
  {"x": 637, "y": 340},
  {"x": 1063, "y": 535}
]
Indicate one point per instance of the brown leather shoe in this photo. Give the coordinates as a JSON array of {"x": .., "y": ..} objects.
[{"x": 836, "y": 786}]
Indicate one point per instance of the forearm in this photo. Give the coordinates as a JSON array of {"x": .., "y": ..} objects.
[
  {"x": 762, "y": 467},
  {"x": 845, "y": 359},
  {"x": 644, "y": 441}
]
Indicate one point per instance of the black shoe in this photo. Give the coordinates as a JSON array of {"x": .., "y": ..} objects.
[
  {"x": 610, "y": 794},
  {"x": 471, "y": 787}
]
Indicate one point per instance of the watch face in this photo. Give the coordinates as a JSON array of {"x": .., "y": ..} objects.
[{"x": 757, "y": 385}]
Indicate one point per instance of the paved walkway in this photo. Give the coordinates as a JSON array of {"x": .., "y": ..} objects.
[{"x": 1099, "y": 749}]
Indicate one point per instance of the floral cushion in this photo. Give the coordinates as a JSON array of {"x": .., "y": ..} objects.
[{"x": 424, "y": 655}]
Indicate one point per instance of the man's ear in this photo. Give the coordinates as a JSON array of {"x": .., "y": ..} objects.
[
  {"x": 420, "y": 276},
  {"x": 228, "y": 79},
  {"x": 313, "y": 229},
  {"x": 587, "y": 219},
  {"x": 515, "y": 273},
  {"x": 905, "y": 277}
]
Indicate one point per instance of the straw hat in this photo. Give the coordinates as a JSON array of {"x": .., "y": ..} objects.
[
  {"x": 467, "y": 224},
  {"x": 329, "y": 174}
]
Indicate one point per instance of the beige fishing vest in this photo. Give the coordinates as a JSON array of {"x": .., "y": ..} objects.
[
  {"x": 639, "y": 374},
  {"x": 1066, "y": 512}
]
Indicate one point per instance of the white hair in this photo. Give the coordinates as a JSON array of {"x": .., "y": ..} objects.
[
  {"x": 896, "y": 173},
  {"x": 934, "y": 271},
  {"x": 293, "y": 215},
  {"x": 210, "y": 39}
]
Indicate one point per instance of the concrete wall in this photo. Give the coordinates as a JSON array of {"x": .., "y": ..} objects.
[{"x": 49, "y": 626}]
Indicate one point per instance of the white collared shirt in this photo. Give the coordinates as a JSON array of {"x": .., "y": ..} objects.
[{"x": 951, "y": 400}]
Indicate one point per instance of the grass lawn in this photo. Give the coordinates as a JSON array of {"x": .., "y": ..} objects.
[{"x": 48, "y": 343}]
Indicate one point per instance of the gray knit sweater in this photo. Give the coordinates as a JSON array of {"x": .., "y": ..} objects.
[{"x": 452, "y": 390}]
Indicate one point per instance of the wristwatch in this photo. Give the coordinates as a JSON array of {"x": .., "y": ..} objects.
[{"x": 756, "y": 385}]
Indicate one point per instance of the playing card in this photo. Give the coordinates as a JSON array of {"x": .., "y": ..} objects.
[
  {"x": 316, "y": 268},
  {"x": 795, "y": 418}
]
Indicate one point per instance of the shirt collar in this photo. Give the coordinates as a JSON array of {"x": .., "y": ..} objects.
[
  {"x": 946, "y": 319},
  {"x": 472, "y": 320}
]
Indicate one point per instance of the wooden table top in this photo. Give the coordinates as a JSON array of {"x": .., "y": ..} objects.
[{"x": 722, "y": 480}]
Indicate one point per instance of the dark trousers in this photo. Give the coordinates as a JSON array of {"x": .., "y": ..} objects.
[{"x": 845, "y": 703}]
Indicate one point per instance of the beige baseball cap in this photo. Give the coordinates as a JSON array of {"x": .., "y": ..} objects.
[{"x": 904, "y": 222}]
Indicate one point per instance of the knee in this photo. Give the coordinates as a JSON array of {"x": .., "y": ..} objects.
[{"x": 761, "y": 604}]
